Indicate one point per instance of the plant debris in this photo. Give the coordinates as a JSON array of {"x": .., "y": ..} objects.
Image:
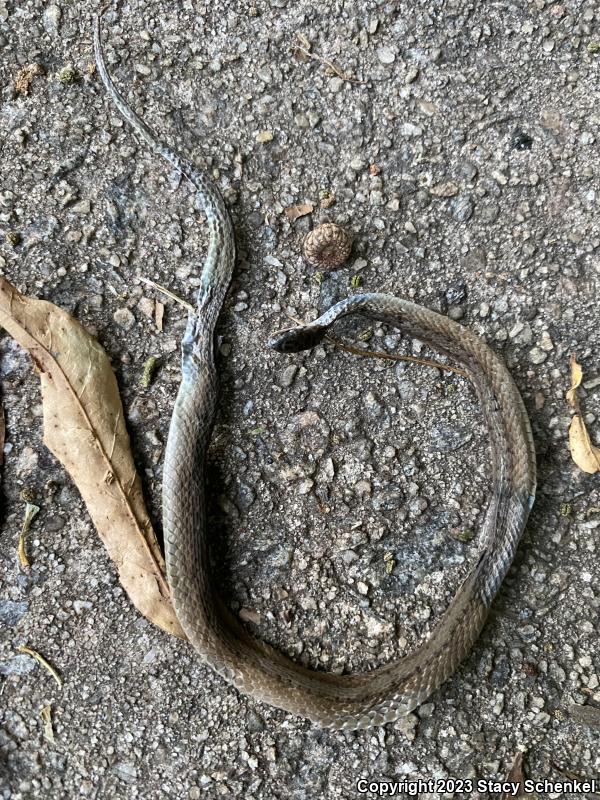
[
  {"x": 84, "y": 427},
  {"x": 301, "y": 210},
  {"x": 159, "y": 312},
  {"x": 28, "y": 651},
  {"x": 168, "y": 293},
  {"x": 302, "y": 48},
  {"x": 576, "y": 378},
  {"x": 585, "y": 454},
  {"x": 149, "y": 370},
  {"x": 26, "y": 76},
  {"x": 68, "y": 74},
  {"x": 46, "y": 715},
  {"x": 30, "y": 512},
  {"x": 357, "y": 351},
  {"x": 326, "y": 198},
  {"x": 516, "y": 775}
]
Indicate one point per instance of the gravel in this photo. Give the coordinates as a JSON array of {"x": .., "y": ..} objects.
[{"x": 459, "y": 143}]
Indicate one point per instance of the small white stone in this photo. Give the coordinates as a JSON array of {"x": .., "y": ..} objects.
[
  {"x": 305, "y": 486},
  {"x": 386, "y": 55}
]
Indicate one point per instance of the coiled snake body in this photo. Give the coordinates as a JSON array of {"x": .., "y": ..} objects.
[{"x": 331, "y": 701}]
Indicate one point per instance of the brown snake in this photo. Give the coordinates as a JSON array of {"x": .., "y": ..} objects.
[{"x": 255, "y": 668}]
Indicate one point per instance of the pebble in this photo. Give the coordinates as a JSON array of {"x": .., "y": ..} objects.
[
  {"x": 417, "y": 506},
  {"x": 408, "y": 726},
  {"x": 124, "y": 317},
  {"x": 537, "y": 355},
  {"x": 245, "y": 497},
  {"x": 446, "y": 189},
  {"x": 462, "y": 208},
  {"x": 51, "y": 17},
  {"x": 262, "y": 137},
  {"x": 386, "y": 55},
  {"x": 467, "y": 170},
  {"x": 456, "y": 312},
  {"x": 521, "y": 332}
]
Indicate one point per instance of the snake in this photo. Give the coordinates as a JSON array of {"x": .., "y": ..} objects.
[{"x": 332, "y": 701}]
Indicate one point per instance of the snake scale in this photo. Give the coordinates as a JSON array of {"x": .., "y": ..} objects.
[{"x": 256, "y": 669}]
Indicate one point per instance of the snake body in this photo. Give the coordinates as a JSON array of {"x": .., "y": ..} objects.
[{"x": 256, "y": 669}]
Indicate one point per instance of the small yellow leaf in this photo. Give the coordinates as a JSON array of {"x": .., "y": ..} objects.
[
  {"x": 583, "y": 452},
  {"x": 576, "y": 378}
]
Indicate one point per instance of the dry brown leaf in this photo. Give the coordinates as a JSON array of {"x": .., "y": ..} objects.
[
  {"x": 301, "y": 210},
  {"x": 576, "y": 378},
  {"x": 85, "y": 429},
  {"x": 583, "y": 452}
]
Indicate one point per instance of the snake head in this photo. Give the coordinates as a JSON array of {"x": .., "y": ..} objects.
[{"x": 294, "y": 340}]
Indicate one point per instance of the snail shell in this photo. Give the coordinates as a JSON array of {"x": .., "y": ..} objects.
[{"x": 327, "y": 246}]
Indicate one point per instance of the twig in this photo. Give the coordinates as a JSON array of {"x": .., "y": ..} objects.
[
  {"x": 358, "y": 351},
  {"x": 41, "y": 660},
  {"x": 168, "y": 293},
  {"x": 333, "y": 67}
]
